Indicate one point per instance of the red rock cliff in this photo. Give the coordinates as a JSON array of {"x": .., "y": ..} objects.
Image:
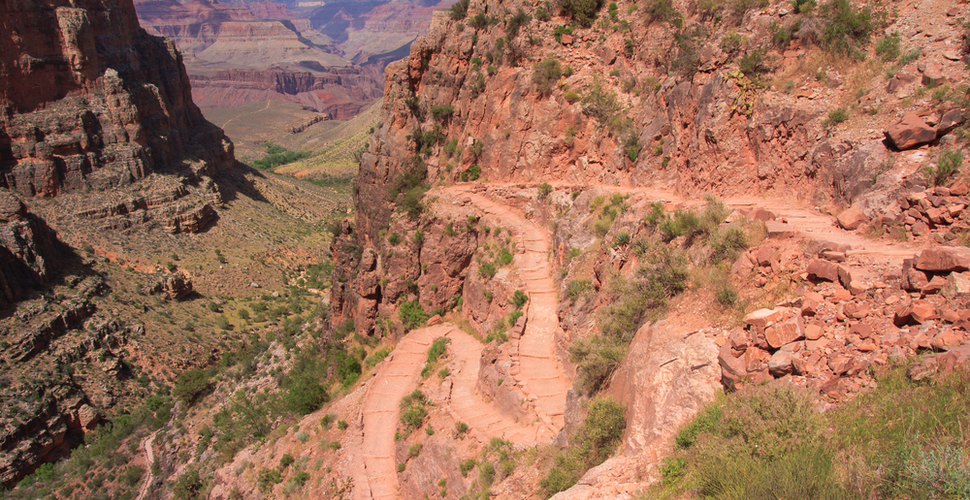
[{"x": 89, "y": 100}]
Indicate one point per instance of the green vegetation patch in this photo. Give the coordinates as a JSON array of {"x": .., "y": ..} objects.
[{"x": 903, "y": 439}]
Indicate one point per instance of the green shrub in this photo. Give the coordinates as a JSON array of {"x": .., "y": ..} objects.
[
  {"x": 519, "y": 299},
  {"x": 487, "y": 270},
  {"x": 191, "y": 385},
  {"x": 434, "y": 353},
  {"x": 442, "y": 112},
  {"x": 947, "y": 165},
  {"x": 413, "y": 410},
  {"x": 572, "y": 97},
  {"x": 394, "y": 239},
  {"x": 286, "y": 460},
  {"x": 471, "y": 174},
  {"x": 581, "y": 11},
  {"x": 545, "y": 74},
  {"x": 414, "y": 450},
  {"x": 412, "y": 314},
  {"x": 459, "y": 10},
  {"x": 545, "y": 189},
  {"x": 847, "y": 29},
  {"x": 836, "y": 116},
  {"x": 660, "y": 11},
  {"x": 594, "y": 441},
  {"x": 480, "y": 21},
  {"x": 304, "y": 394},
  {"x": 577, "y": 288},
  {"x": 277, "y": 155},
  {"x": 516, "y": 22},
  {"x": 466, "y": 465},
  {"x": 888, "y": 47},
  {"x": 596, "y": 358}
]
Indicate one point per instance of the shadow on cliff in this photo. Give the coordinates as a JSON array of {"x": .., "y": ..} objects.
[
  {"x": 240, "y": 181},
  {"x": 52, "y": 263}
]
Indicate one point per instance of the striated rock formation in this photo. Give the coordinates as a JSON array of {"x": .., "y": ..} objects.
[
  {"x": 98, "y": 137},
  {"x": 92, "y": 101},
  {"x": 28, "y": 249},
  {"x": 236, "y": 55}
]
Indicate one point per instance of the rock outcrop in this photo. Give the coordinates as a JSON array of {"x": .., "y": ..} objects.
[
  {"x": 98, "y": 138},
  {"x": 91, "y": 101}
]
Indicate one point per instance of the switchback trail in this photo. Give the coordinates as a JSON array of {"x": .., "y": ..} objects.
[{"x": 540, "y": 375}]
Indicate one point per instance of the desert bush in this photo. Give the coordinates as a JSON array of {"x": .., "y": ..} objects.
[
  {"x": 594, "y": 441},
  {"x": 459, "y": 10},
  {"x": 947, "y": 165},
  {"x": 471, "y": 174},
  {"x": 516, "y": 22},
  {"x": 596, "y": 358},
  {"x": 518, "y": 299},
  {"x": 836, "y": 116},
  {"x": 191, "y": 385},
  {"x": 847, "y": 29},
  {"x": 413, "y": 410},
  {"x": 887, "y": 47},
  {"x": 412, "y": 314},
  {"x": 442, "y": 112},
  {"x": 545, "y": 74},
  {"x": 577, "y": 288},
  {"x": 581, "y": 11},
  {"x": 660, "y": 11},
  {"x": 434, "y": 353},
  {"x": 544, "y": 190}
]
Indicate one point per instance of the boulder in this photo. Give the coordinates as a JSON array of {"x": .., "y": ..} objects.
[
  {"x": 760, "y": 214},
  {"x": 916, "y": 312},
  {"x": 779, "y": 230},
  {"x": 957, "y": 284},
  {"x": 763, "y": 317},
  {"x": 949, "y": 121},
  {"x": 946, "y": 340},
  {"x": 785, "y": 332},
  {"x": 909, "y": 132},
  {"x": 933, "y": 75},
  {"x": 780, "y": 363},
  {"x": 88, "y": 417},
  {"x": 823, "y": 270},
  {"x": 934, "y": 286},
  {"x": 959, "y": 188},
  {"x": 733, "y": 369},
  {"x": 943, "y": 259},
  {"x": 853, "y": 218},
  {"x": 813, "y": 332}
]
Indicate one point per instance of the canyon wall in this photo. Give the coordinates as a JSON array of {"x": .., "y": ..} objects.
[{"x": 98, "y": 136}]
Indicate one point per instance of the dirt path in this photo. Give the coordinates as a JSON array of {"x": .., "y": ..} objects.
[
  {"x": 150, "y": 458},
  {"x": 397, "y": 377},
  {"x": 540, "y": 375},
  {"x": 483, "y": 419},
  {"x": 806, "y": 220}
]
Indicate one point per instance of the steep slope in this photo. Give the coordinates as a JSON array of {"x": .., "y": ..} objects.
[
  {"x": 98, "y": 135},
  {"x": 601, "y": 127}
]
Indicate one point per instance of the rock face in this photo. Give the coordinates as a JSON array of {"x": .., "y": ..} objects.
[
  {"x": 97, "y": 117},
  {"x": 323, "y": 58},
  {"x": 29, "y": 249},
  {"x": 92, "y": 101}
]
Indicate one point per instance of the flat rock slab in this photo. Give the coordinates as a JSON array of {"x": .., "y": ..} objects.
[
  {"x": 943, "y": 259},
  {"x": 910, "y": 131}
]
